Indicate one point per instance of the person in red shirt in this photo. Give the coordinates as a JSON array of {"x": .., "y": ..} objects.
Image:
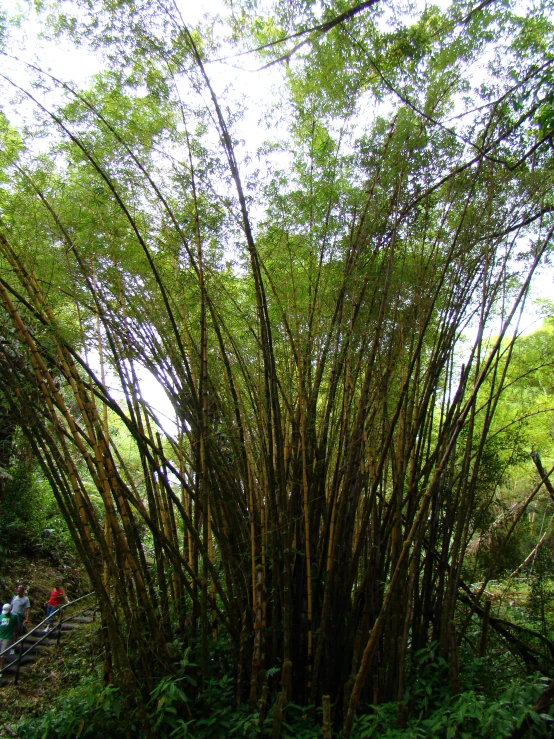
[{"x": 56, "y": 597}]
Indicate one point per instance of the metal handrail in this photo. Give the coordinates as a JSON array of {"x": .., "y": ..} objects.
[{"x": 21, "y": 641}]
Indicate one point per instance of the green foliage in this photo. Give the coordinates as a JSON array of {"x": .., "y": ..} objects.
[
  {"x": 427, "y": 711},
  {"x": 540, "y": 601},
  {"x": 10, "y": 139},
  {"x": 30, "y": 522},
  {"x": 90, "y": 710},
  {"x": 493, "y": 702},
  {"x": 85, "y": 711},
  {"x": 467, "y": 715},
  {"x": 25, "y": 505}
]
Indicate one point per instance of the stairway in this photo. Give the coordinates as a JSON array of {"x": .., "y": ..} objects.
[{"x": 37, "y": 643}]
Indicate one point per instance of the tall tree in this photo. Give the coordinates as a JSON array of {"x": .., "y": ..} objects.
[{"x": 316, "y": 502}]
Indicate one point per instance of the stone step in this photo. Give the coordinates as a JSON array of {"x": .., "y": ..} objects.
[
  {"x": 42, "y": 632},
  {"x": 42, "y": 638},
  {"x": 30, "y": 648},
  {"x": 66, "y": 626},
  {"x": 36, "y": 636},
  {"x": 39, "y": 641},
  {"x": 10, "y": 669}
]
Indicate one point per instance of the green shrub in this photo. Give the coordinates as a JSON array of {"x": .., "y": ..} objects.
[
  {"x": 177, "y": 710},
  {"x": 89, "y": 710},
  {"x": 464, "y": 716}
]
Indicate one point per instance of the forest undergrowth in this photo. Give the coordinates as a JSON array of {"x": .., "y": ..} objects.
[
  {"x": 68, "y": 699},
  {"x": 63, "y": 695}
]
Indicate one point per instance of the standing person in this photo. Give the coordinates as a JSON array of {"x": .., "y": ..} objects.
[
  {"x": 20, "y": 606},
  {"x": 8, "y": 629},
  {"x": 56, "y": 597}
]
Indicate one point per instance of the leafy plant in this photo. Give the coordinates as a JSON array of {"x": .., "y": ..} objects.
[
  {"x": 89, "y": 710},
  {"x": 469, "y": 714}
]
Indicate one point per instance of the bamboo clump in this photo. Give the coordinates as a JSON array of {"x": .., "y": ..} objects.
[{"x": 314, "y": 507}]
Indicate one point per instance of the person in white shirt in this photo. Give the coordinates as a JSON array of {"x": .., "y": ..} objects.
[{"x": 21, "y": 606}]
